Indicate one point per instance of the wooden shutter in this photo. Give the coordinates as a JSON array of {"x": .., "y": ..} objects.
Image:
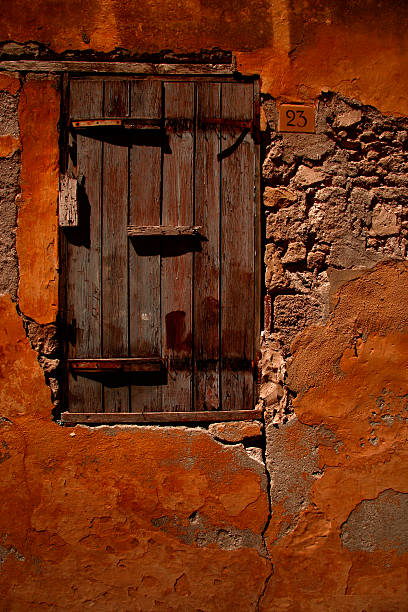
[{"x": 161, "y": 290}]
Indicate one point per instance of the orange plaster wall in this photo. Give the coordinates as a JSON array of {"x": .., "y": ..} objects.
[
  {"x": 351, "y": 380},
  {"x": 112, "y": 517},
  {"x": 354, "y": 47},
  {"x": 107, "y": 518},
  {"x": 37, "y": 241}
]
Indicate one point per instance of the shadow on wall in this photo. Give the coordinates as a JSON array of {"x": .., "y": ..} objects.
[
  {"x": 208, "y": 20},
  {"x": 353, "y": 14}
]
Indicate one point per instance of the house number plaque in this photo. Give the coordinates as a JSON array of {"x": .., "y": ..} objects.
[{"x": 296, "y": 118}]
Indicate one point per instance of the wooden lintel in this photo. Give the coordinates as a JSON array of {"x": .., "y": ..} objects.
[
  {"x": 126, "y": 122},
  {"x": 134, "y": 364},
  {"x": 74, "y": 66},
  {"x": 163, "y": 230},
  {"x": 161, "y": 417}
]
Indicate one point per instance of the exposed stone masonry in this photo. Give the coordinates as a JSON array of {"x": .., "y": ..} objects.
[
  {"x": 9, "y": 190},
  {"x": 335, "y": 204}
]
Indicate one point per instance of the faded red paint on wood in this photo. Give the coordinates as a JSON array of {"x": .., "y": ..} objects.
[
  {"x": 207, "y": 261},
  {"x": 144, "y": 265},
  {"x": 237, "y": 246},
  {"x": 84, "y": 252},
  {"x": 177, "y": 266},
  {"x": 115, "y": 245}
]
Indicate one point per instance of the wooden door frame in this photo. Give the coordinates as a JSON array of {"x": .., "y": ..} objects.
[{"x": 223, "y": 73}]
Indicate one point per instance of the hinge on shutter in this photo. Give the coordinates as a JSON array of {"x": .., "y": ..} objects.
[{"x": 68, "y": 202}]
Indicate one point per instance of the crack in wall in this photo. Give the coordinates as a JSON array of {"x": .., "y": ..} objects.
[{"x": 268, "y": 519}]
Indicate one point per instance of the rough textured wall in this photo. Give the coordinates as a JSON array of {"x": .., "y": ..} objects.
[
  {"x": 308, "y": 510},
  {"x": 335, "y": 393},
  {"x": 121, "y": 518},
  {"x": 335, "y": 205}
]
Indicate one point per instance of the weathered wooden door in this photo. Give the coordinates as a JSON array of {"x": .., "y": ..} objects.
[{"x": 161, "y": 284}]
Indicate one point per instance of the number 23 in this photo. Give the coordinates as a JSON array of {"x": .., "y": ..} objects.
[{"x": 301, "y": 119}]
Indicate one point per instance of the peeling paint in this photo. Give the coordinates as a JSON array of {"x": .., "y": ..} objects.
[{"x": 378, "y": 524}]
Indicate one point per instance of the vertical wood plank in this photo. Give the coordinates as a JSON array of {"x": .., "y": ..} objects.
[
  {"x": 206, "y": 262},
  {"x": 144, "y": 267},
  {"x": 83, "y": 251},
  {"x": 258, "y": 242},
  {"x": 177, "y": 258},
  {"x": 115, "y": 246},
  {"x": 237, "y": 246}
]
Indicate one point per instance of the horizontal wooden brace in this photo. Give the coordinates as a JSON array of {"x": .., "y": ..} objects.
[
  {"x": 170, "y": 125},
  {"x": 77, "y": 66},
  {"x": 163, "y": 230},
  {"x": 131, "y": 364},
  {"x": 161, "y": 417},
  {"x": 133, "y": 123}
]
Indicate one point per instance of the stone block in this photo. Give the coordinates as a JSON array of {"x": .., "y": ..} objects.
[
  {"x": 286, "y": 224},
  {"x": 292, "y": 313},
  {"x": 8, "y": 115},
  {"x": 278, "y": 197},
  {"x": 296, "y": 251},
  {"x": 43, "y": 338},
  {"x": 275, "y": 275},
  {"x": 308, "y": 177},
  {"x": 391, "y": 193},
  {"x": 348, "y": 119},
  {"x": 361, "y": 197},
  {"x": 308, "y": 146},
  {"x": 384, "y": 222},
  {"x": 351, "y": 255},
  {"x": 272, "y": 364},
  {"x": 315, "y": 260},
  {"x": 236, "y": 431},
  {"x": 329, "y": 193},
  {"x": 271, "y": 393}
]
